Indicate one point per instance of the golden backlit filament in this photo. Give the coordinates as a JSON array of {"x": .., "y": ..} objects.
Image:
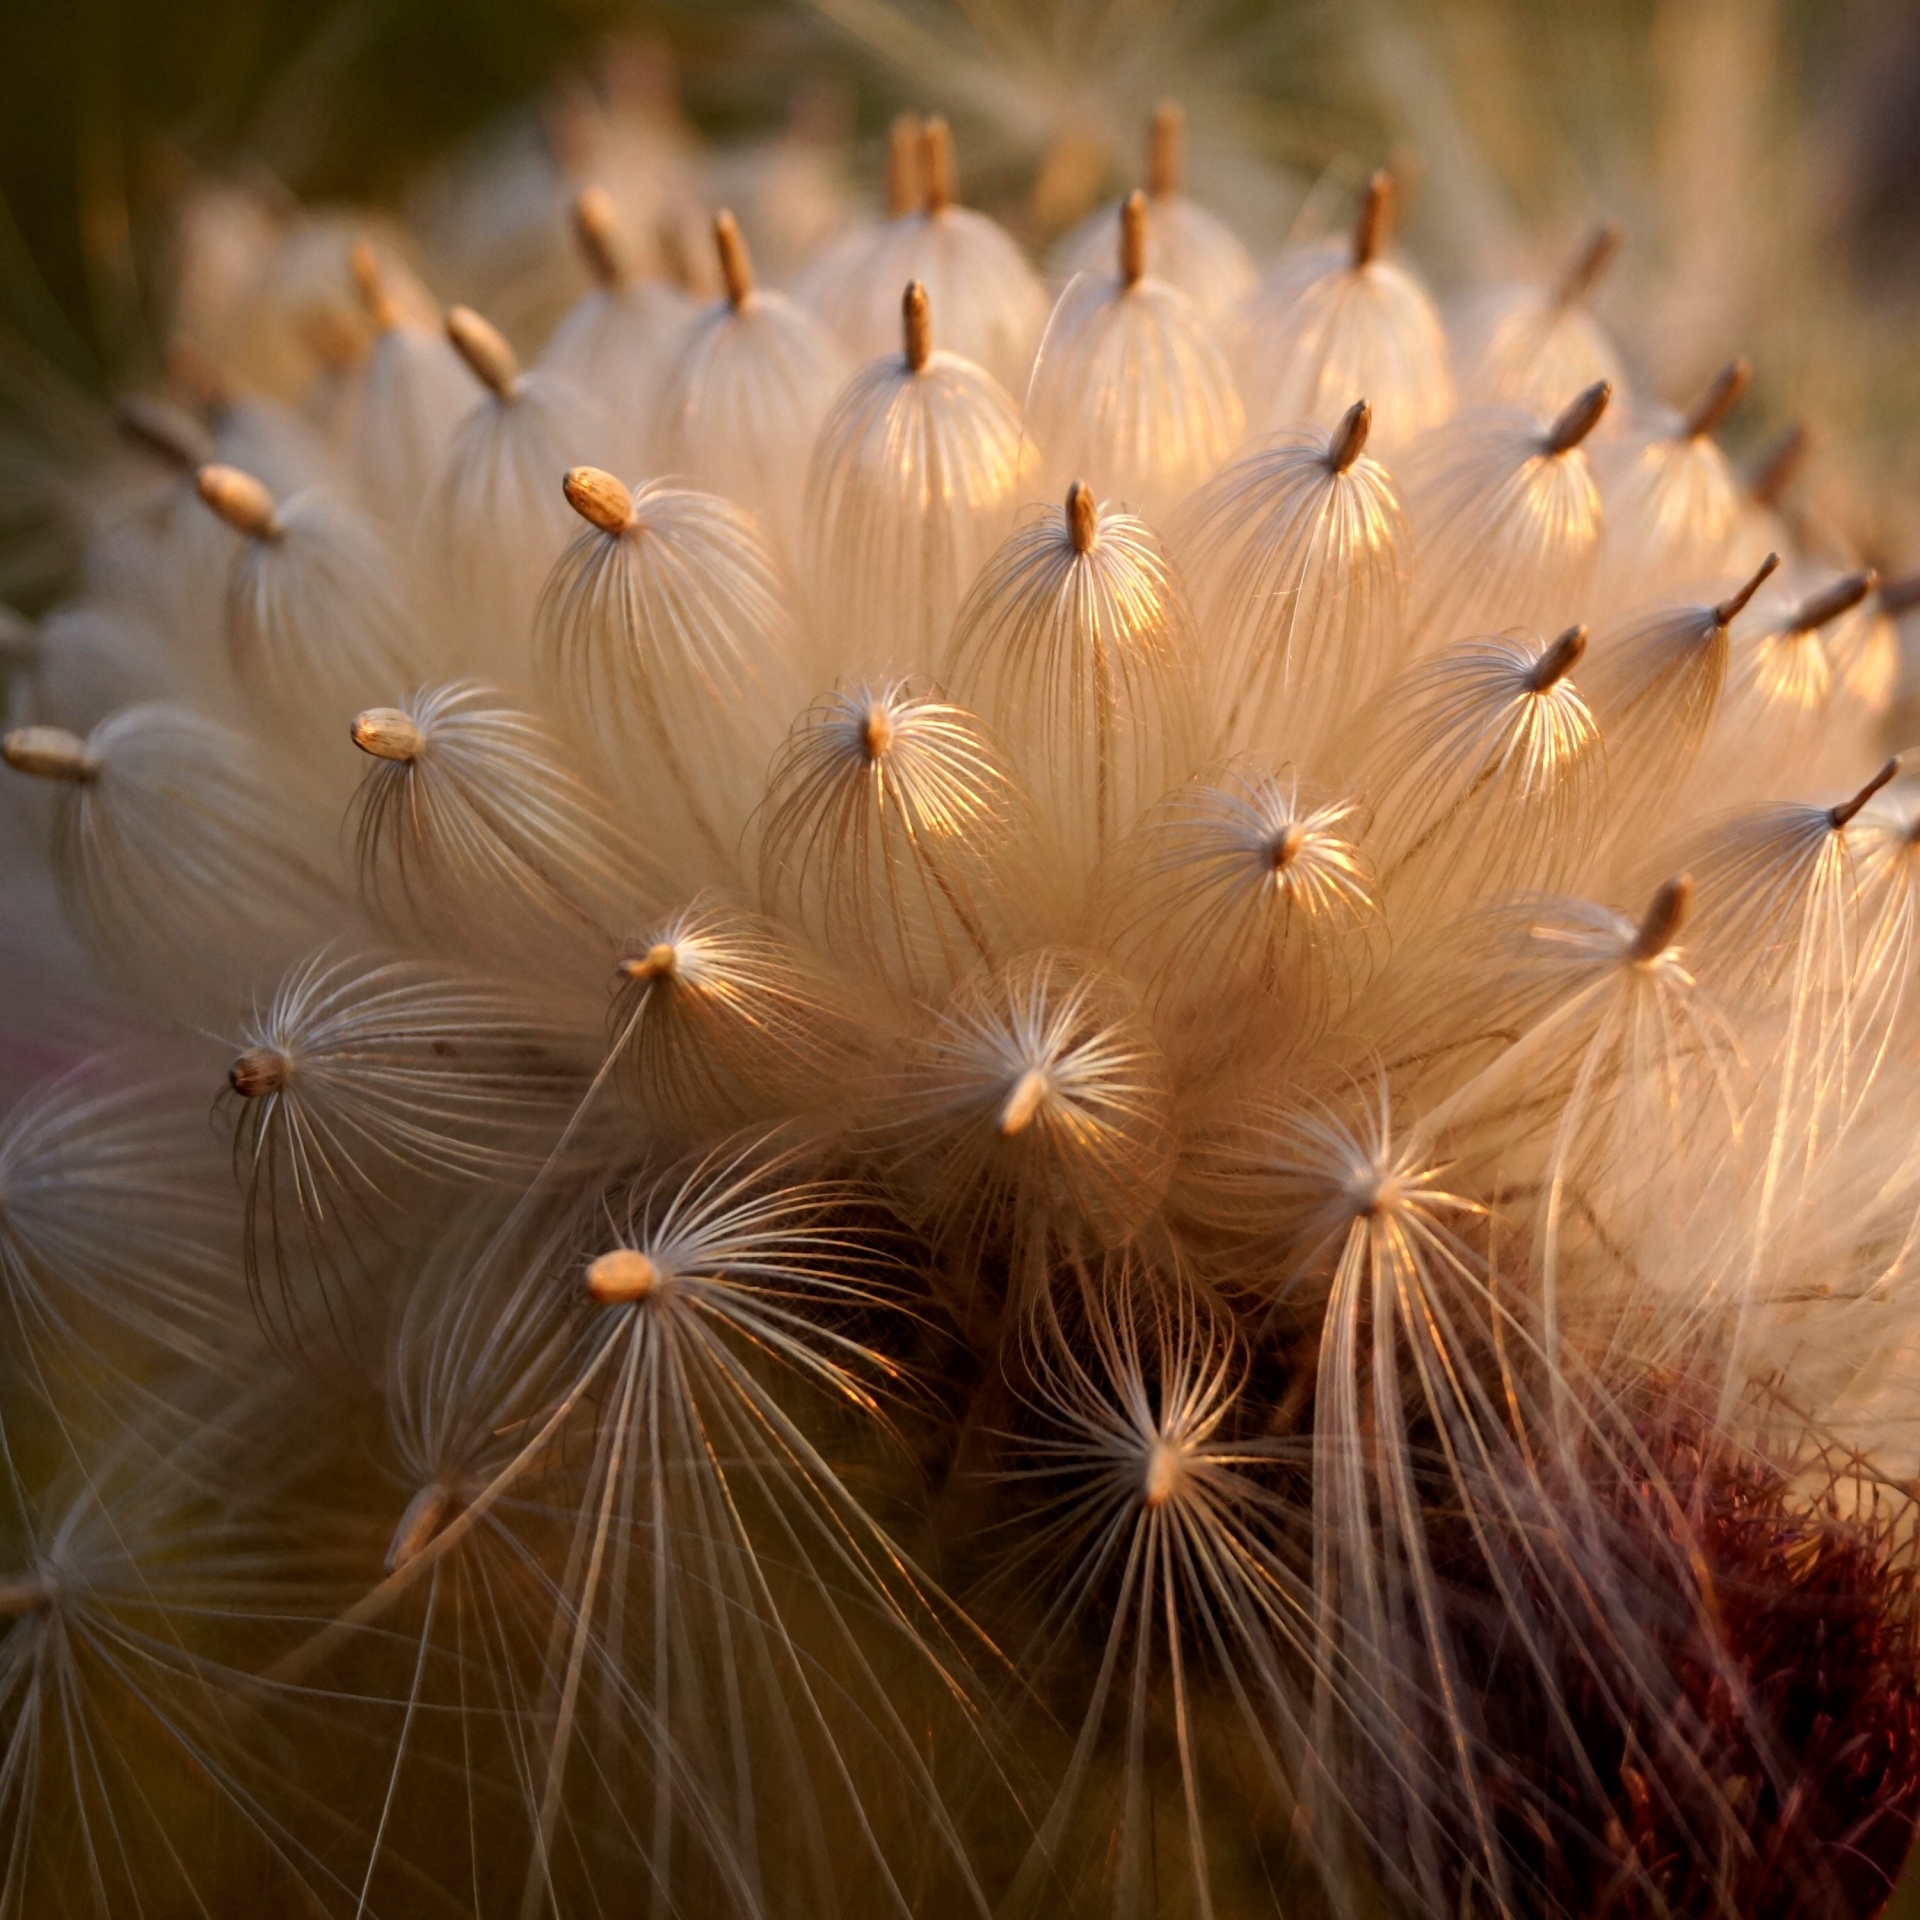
[
  {"x": 468, "y": 816},
  {"x": 1297, "y": 557},
  {"x": 617, "y": 340},
  {"x": 417, "y": 390},
  {"x": 1672, "y": 501},
  {"x": 1486, "y": 730},
  {"x": 1654, "y": 679},
  {"x": 1531, "y": 346},
  {"x": 914, "y": 480},
  {"x": 1129, "y": 392},
  {"x": 664, "y": 632},
  {"x": 749, "y": 385},
  {"x": 1334, "y": 322},
  {"x": 1034, "y": 1107},
  {"x": 1076, "y": 647},
  {"x": 1782, "y": 682},
  {"x": 1188, "y": 245},
  {"x": 896, "y": 836},
  {"x": 1506, "y": 518},
  {"x": 990, "y": 302}
]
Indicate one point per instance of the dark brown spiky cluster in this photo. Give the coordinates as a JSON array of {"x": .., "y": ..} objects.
[{"x": 1757, "y": 1755}]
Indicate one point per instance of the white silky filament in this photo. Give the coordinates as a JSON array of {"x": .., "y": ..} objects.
[
  {"x": 1033, "y": 1109},
  {"x": 178, "y": 856},
  {"x": 1243, "y": 885},
  {"x": 417, "y": 391},
  {"x": 664, "y": 629},
  {"x": 990, "y": 302},
  {"x": 718, "y": 1016},
  {"x": 316, "y": 617},
  {"x": 470, "y": 824},
  {"x": 1506, "y": 518},
  {"x": 1532, "y": 346},
  {"x": 618, "y": 339},
  {"x": 1188, "y": 246},
  {"x": 1076, "y": 647},
  {"x": 914, "y": 480},
  {"x": 897, "y": 838},
  {"x": 1297, "y": 557},
  {"x": 1332, "y": 323},
  {"x": 494, "y": 520},
  {"x": 739, "y": 409},
  {"x": 1129, "y": 391}
]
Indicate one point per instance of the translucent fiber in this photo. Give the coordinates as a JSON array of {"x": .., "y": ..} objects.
[
  {"x": 1077, "y": 648},
  {"x": 740, "y": 407},
  {"x": 1532, "y": 346},
  {"x": 670, "y": 644},
  {"x": 990, "y": 303},
  {"x": 1506, "y": 523},
  {"x": 1337, "y": 323},
  {"x": 1129, "y": 392},
  {"x": 914, "y": 481},
  {"x": 1297, "y": 557}
]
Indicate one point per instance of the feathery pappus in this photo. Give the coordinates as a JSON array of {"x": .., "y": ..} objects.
[{"x": 1055, "y": 1085}]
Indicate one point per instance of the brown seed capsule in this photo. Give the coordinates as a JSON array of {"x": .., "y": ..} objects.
[
  {"x": 1664, "y": 918},
  {"x": 876, "y": 733},
  {"x": 484, "y": 348},
  {"x": 1722, "y": 394},
  {"x": 598, "y": 497},
  {"x": 1735, "y": 603},
  {"x": 621, "y": 1277},
  {"x": 936, "y": 164},
  {"x": 1898, "y": 597},
  {"x": 736, "y": 263},
  {"x": 1286, "y": 846},
  {"x": 596, "y": 225},
  {"x": 240, "y": 500},
  {"x": 258, "y": 1072},
  {"x": 370, "y": 284},
  {"x": 1083, "y": 517},
  {"x": 387, "y": 734},
  {"x": 1133, "y": 238},
  {"x": 1559, "y": 660},
  {"x": 903, "y": 165},
  {"x": 658, "y": 962},
  {"x": 427, "y": 1512},
  {"x": 1581, "y": 416},
  {"x": 161, "y": 428},
  {"x": 1166, "y": 150},
  {"x": 1165, "y": 1470},
  {"x": 1373, "y": 224},
  {"x": 1349, "y": 440},
  {"x": 1594, "y": 258},
  {"x": 1831, "y": 602},
  {"x": 48, "y": 753},
  {"x": 1846, "y": 810},
  {"x": 1017, "y": 1114},
  {"x": 916, "y": 321}
]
